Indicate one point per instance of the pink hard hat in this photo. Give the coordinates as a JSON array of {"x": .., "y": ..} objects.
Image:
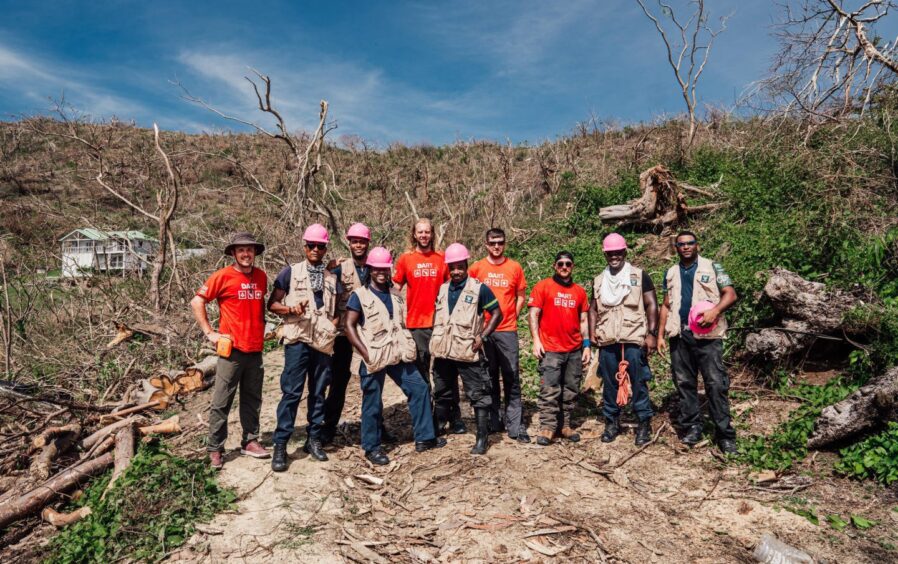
[
  {"x": 456, "y": 252},
  {"x": 379, "y": 257},
  {"x": 359, "y": 230},
  {"x": 614, "y": 242},
  {"x": 316, "y": 233},
  {"x": 694, "y": 312}
]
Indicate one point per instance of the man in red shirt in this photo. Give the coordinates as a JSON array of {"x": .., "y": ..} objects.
[
  {"x": 559, "y": 327},
  {"x": 422, "y": 270},
  {"x": 239, "y": 290},
  {"x": 505, "y": 278}
]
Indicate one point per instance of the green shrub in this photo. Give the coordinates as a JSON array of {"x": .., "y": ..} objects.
[
  {"x": 150, "y": 509},
  {"x": 875, "y": 457}
]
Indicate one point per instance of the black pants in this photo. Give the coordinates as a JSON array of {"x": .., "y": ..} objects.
[
  {"x": 336, "y": 393},
  {"x": 422, "y": 353},
  {"x": 688, "y": 357},
  {"x": 501, "y": 350},
  {"x": 475, "y": 379}
]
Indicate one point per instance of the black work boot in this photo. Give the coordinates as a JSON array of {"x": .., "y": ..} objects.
[
  {"x": 458, "y": 427},
  {"x": 438, "y": 442},
  {"x": 315, "y": 450},
  {"x": 643, "y": 432},
  {"x": 279, "y": 457},
  {"x": 522, "y": 437},
  {"x": 483, "y": 431},
  {"x": 728, "y": 446},
  {"x": 378, "y": 457},
  {"x": 612, "y": 430},
  {"x": 693, "y": 436}
]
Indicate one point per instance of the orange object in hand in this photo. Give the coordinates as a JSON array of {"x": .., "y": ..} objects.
[
  {"x": 623, "y": 380},
  {"x": 224, "y": 346}
]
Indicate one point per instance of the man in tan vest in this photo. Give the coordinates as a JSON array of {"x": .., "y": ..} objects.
[
  {"x": 699, "y": 349},
  {"x": 623, "y": 321},
  {"x": 305, "y": 293},
  {"x": 375, "y": 325},
  {"x": 457, "y": 343}
]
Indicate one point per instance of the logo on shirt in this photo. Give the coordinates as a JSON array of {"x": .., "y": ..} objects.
[
  {"x": 469, "y": 299},
  {"x": 425, "y": 270},
  {"x": 705, "y": 278},
  {"x": 249, "y": 291},
  {"x": 565, "y": 300},
  {"x": 633, "y": 280},
  {"x": 496, "y": 280}
]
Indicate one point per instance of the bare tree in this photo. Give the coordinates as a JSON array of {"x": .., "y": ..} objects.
[
  {"x": 687, "y": 51},
  {"x": 833, "y": 59}
]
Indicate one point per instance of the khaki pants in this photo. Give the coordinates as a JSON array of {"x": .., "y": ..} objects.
[{"x": 243, "y": 370}]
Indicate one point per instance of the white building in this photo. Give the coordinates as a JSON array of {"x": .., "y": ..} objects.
[{"x": 89, "y": 250}]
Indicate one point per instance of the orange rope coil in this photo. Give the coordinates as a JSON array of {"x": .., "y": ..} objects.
[{"x": 623, "y": 380}]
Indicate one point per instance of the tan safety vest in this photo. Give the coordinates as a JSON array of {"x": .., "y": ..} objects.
[
  {"x": 387, "y": 340},
  {"x": 453, "y": 335},
  {"x": 350, "y": 280},
  {"x": 704, "y": 287},
  {"x": 314, "y": 327},
  {"x": 625, "y": 322}
]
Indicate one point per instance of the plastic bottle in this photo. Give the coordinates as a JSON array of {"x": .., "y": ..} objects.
[
  {"x": 773, "y": 551},
  {"x": 223, "y": 348}
]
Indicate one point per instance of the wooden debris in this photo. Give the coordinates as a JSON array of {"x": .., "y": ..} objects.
[
  {"x": 168, "y": 427},
  {"x": 124, "y": 333},
  {"x": 40, "y": 467},
  {"x": 556, "y": 531},
  {"x": 59, "y": 520},
  {"x": 124, "y": 452},
  {"x": 368, "y": 478},
  {"x": 546, "y": 550},
  {"x": 104, "y": 432},
  {"x": 43, "y": 439}
]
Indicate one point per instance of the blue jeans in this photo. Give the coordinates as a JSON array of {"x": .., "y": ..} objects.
[
  {"x": 409, "y": 380},
  {"x": 638, "y": 369},
  {"x": 301, "y": 361}
]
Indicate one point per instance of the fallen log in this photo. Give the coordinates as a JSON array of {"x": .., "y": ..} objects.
[
  {"x": 59, "y": 520},
  {"x": 807, "y": 310},
  {"x": 123, "y": 453},
  {"x": 36, "y": 499},
  {"x": 40, "y": 467},
  {"x": 104, "y": 432},
  {"x": 43, "y": 439},
  {"x": 864, "y": 410}
]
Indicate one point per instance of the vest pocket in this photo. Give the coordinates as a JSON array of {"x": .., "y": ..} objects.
[{"x": 323, "y": 334}]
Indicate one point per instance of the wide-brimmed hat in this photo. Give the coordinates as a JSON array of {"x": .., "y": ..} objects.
[{"x": 243, "y": 238}]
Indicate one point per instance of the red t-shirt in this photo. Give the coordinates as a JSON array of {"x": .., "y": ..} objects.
[
  {"x": 241, "y": 300},
  {"x": 423, "y": 273},
  {"x": 506, "y": 280},
  {"x": 559, "y": 324}
]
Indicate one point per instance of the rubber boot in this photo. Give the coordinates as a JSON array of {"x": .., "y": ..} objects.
[
  {"x": 612, "y": 430},
  {"x": 483, "y": 431},
  {"x": 643, "y": 432}
]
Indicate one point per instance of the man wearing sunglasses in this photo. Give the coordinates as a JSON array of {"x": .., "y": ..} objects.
[
  {"x": 623, "y": 320},
  {"x": 693, "y": 280},
  {"x": 559, "y": 327},
  {"x": 505, "y": 277},
  {"x": 308, "y": 334}
]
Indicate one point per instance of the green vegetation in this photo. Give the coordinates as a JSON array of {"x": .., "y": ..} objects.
[
  {"x": 150, "y": 510},
  {"x": 875, "y": 457}
]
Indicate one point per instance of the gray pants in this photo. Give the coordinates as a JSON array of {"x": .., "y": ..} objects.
[
  {"x": 501, "y": 350},
  {"x": 558, "y": 388},
  {"x": 245, "y": 370}
]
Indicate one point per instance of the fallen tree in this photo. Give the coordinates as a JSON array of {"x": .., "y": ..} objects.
[
  {"x": 807, "y": 310},
  {"x": 866, "y": 409},
  {"x": 663, "y": 202}
]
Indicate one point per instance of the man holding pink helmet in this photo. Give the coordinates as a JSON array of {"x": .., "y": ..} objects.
[
  {"x": 623, "y": 323},
  {"x": 305, "y": 294},
  {"x": 696, "y": 332},
  {"x": 457, "y": 343},
  {"x": 383, "y": 346}
]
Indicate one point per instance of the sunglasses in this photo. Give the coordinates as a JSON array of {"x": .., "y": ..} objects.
[
  {"x": 685, "y": 243},
  {"x": 318, "y": 246},
  {"x": 564, "y": 264},
  {"x": 495, "y": 243}
]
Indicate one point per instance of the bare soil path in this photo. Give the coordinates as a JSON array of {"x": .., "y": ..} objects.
[{"x": 585, "y": 502}]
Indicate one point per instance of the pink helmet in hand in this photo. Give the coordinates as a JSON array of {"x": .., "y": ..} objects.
[
  {"x": 614, "y": 242},
  {"x": 359, "y": 230},
  {"x": 379, "y": 257},
  {"x": 694, "y": 312},
  {"x": 316, "y": 233},
  {"x": 456, "y": 252}
]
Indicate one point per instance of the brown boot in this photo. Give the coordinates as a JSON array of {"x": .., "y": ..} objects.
[
  {"x": 570, "y": 434},
  {"x": 544, "y": 437}
]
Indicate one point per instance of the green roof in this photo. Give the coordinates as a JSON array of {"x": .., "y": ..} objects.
[{"x": 97, "y": 235}]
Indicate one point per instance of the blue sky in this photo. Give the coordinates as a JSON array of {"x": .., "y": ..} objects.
[{"x": 406, "y": 71}]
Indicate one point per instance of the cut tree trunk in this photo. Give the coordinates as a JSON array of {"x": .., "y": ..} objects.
[
  {"x": 866, "y": 409},
  {"x": 806, "y": 308},
  {"x": 124, "y": 452},
  {"x": 36, "y": 499}
]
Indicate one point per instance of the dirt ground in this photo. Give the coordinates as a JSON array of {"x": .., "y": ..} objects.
[{"x": 584, "y": 502}]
